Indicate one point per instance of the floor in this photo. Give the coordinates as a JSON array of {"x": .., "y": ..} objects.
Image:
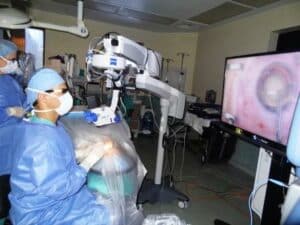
[{"x": 216, "y": 190}]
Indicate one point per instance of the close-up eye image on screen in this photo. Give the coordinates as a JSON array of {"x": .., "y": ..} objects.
[{"x": 260, "y": 94}]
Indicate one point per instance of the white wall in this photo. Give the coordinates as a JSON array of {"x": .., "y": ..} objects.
[
  {"x": 168, "y": 44},
  {"x": 245, "y": 36}
]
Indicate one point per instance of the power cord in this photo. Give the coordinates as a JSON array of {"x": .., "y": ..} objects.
[
  {"x": 254, "y": 191},
  {"x": 171, "y": 142},
  {"x": 154, "y": 115},
  {"x": 124, "y": 107}
]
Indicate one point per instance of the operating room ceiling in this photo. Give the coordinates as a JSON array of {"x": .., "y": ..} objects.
[{"x": 162, "y": 15}]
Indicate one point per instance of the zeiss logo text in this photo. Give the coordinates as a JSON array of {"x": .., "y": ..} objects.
[{"x": 113, "y": 61}]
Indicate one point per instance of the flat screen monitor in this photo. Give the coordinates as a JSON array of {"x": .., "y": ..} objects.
[{"x": 260, "y": 93}]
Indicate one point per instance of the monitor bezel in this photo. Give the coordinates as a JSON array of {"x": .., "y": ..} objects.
[{"x": 242, "y": 132}]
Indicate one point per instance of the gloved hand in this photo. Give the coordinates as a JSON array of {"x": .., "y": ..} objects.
[
  {"x": 15, "y": 111},
  {"x": 94, "y": 154}
]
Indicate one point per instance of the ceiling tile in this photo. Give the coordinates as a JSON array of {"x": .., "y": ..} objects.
[
  {"x": 188, "y": 25},
  {"x": 256, "y": 3},
  {"x": 71, "y": 2},
  {"x": 160, "y": 15},
  {"x": 93, "y": 5},
  {"x": 100, "y": 7},
  {"x": 149, "y": 17},
  {"x": 219, "y": 13},
  {"x": 122, "y": 11}
]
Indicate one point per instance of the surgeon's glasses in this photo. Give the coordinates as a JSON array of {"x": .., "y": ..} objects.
[{"x": 63, "y": 91}]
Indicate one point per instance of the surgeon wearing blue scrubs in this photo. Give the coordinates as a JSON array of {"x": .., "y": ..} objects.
[
  {"x": 12, "y": 99},
  {"x": 47, "y": 185},
  {"x": 11, "y": 93}
]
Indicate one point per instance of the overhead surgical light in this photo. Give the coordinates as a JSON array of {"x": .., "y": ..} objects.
[{"x": 11, "y": 18}]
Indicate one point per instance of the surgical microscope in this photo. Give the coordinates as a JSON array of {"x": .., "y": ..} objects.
[{"x": 122, "y": 60}]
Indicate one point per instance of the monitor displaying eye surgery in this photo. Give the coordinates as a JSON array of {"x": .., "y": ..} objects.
[
  {"x": 260, "y": 93},
  {"x": 139, "y": 112}
]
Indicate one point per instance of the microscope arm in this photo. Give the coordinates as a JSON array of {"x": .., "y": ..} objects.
[
  {"x": 161, "y": 89},
  {"x": 172, "y": 103}
]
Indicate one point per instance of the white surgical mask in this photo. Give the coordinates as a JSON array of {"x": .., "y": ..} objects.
[
  {"x": 11, "y": 67},
  {"x": 66, "y": 102}
]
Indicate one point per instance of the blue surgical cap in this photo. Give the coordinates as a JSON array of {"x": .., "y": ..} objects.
[
  {"x": 43, "y": 79},
  {"x": 7, "y": 47}
]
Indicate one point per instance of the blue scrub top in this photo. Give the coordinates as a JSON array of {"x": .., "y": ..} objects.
[
  {"x": 47, "y": 185},
  {"x": 11, "y": 94}
]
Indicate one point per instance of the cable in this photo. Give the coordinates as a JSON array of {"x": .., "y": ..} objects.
[
  {"x": 171, "y": 161},
  {"x": 94, "y": 42},
  {"x": 254, "y": 191},
  {"x": 154, "y": 115},
  {"x": 175, "y": 131},
  {"x": 124, "y": 107},
  {"x": 183, "y": 155},
  {"x": 174, "y": 134},
  {"x": 166, "y": 162},
  {"x": 173, "y": 158},
  {"x": 173, "y": 121},
  {"x": 251, "y": 197}
]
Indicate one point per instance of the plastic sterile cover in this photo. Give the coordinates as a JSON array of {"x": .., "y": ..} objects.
[
  {"x": 117, "y": 176},
  {"x": 165, "y": 219}
]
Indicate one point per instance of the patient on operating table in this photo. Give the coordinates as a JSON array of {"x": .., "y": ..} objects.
[{"x": 117, "y": 176}]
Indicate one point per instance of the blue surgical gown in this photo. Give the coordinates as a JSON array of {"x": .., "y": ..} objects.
[
  {"x": 47, "y": 186},
  {"x": 11, "y": 94}
]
